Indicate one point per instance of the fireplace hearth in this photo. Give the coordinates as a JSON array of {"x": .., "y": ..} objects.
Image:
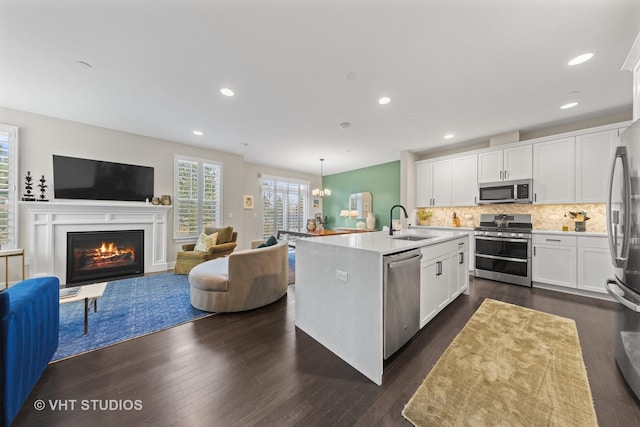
[{"x": 98, "y": 255}]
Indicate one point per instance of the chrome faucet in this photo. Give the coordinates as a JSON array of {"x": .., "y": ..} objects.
[{"x": 391, "y": 217}]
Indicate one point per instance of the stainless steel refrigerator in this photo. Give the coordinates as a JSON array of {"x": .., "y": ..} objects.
[{"x": 623, "y": 224}]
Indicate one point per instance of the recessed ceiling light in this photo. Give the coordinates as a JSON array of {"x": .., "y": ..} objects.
[
  {"x": 449, "y": 136},
  {"x": 345, "y": 125},
  {"x": 198, "y": 132},
  {"x": 226, "y": 91},
  {"x": 581, "y": 58},
  {"x": 569, "y": 105},
  {"x": 384, "y": 100}
]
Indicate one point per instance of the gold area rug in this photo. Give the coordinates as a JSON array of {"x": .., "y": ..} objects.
[{"x": 509, "y": 366}]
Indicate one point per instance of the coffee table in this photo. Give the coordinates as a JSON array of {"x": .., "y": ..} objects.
[{"x": 90, "y": 295}]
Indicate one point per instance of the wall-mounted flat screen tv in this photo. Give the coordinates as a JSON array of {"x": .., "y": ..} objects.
[{"x": 75, "y": 178}]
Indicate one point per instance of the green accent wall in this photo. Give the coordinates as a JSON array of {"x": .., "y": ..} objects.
[{"x": 382, "y": 181}]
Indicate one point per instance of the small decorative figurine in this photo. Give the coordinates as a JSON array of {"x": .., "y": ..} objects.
[
  {"x": 43, "y": 196},
  {"x": 28, "y": 186}
]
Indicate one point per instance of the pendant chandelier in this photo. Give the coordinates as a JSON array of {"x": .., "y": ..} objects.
[{"x": 320, "y": 192}]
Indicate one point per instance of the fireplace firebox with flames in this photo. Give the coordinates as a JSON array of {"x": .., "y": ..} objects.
[{"x": 97, "y": 255}]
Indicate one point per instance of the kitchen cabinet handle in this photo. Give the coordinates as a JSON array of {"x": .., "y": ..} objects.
[
  {"x": 501, "y": 175},
  {"x": 502, "y": 239},
  {"x": 397, "y": 264},
  {"x": 501, "y": 258},
  {"x": 438, "y": 268},
  {"x": 615, "y": 289},
  {"x": 553, "y": 240},
  {"x": 505, "y": 174},
  {"x": 535, "y": 197},
  {"x": 461, "y": 258},
  {"x": 614, "y": 216},
  {"x": 534, "y": 251},
  {"x": 475, "y": 200}
]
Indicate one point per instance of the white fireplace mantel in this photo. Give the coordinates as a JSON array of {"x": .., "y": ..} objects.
[{"x": 49, "y": 222}]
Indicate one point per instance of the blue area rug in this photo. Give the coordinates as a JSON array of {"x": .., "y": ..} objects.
[
  {"x": 292, "y": 266},
  {"x": 129, "y": 308}
]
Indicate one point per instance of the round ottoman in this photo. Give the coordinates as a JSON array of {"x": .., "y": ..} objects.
[{"x": 207, "y": 280}]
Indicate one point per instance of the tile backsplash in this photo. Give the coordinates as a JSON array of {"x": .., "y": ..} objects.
[{"x": 545, "y": 217}]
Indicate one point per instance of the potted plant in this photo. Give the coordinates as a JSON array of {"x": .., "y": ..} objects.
[{"x": 424, "y": 216}]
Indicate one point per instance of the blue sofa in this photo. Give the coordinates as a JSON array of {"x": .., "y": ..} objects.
[{"x": 29, "y": 323}]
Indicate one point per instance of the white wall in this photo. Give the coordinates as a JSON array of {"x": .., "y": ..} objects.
[{"x": 42, "y": 136}]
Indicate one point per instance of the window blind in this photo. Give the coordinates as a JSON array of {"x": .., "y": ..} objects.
[
  {"x": 198, "y": 197},
  {"x": 285, "y": 204},
  {"x": 8, "y": 187}
]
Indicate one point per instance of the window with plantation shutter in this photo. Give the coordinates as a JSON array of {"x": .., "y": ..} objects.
[
  {"x": 8, "y": 187},
  {"x": 285, "y": 204},
  {"x": 198, "y": 196}
]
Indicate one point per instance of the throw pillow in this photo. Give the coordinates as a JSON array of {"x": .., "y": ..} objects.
[
  {"x": 261, "y": 245},
  {"x": 224, "y": 234},
  {"x": 205, "y": 242},
  {"x": 271, "y": 241}
]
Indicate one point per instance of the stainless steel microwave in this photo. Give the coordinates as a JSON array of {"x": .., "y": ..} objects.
[{"x": 520, "y": 191}]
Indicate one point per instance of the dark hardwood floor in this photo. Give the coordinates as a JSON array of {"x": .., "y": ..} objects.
[{"x": 256, "y": 368}]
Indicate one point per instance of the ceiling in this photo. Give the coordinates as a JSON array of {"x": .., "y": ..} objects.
[{"x": 299, "y": 68}]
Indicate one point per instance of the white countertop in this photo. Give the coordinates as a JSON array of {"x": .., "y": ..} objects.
[
  {"x": 382, "y": 243},
  {"x": 570, "y": 233},
  {"x": 566, "y": 233},
  {"x": 442, "y": 227}
]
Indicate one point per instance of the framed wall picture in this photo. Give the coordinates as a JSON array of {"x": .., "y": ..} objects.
[
  {"x": 316, "y": 203},
  {"x": 247, "y": 201}
]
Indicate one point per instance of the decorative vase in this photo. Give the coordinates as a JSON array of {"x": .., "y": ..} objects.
[
  {"x": 311, "y": 224},
  {"x": 165, "y": 200},
  {"x": 371, "y": 221},
  {"x": 361, "y": 225}
]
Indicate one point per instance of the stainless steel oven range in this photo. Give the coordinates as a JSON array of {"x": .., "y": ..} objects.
[{"x": 503, "y": 248}]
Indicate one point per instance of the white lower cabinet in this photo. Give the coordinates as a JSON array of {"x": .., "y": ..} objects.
[
  {"x": 554, "y": 260},
  {"x": 430, "y": 290},
  {"x": 444, "y": 274},
  {"x": 462, "y": 270},
  {"x": 579, "y": 262},
  {"x": 594, "y": 264}
]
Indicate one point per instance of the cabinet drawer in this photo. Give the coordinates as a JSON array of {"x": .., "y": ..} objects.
[
  {"x": 593, "y": 242},
  {"x": 434, "y": 251},
  {"x": 554, "y": 239}
]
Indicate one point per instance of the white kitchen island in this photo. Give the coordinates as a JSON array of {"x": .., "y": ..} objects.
[{"x": 339, "y": 288}]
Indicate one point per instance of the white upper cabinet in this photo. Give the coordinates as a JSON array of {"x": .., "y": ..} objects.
[
  {"x": 572, "y": 168},
  {"x": 554, "y": 171},
  {"x": 518, "y": 163},
  {"x": 424, "y": 184},
  {"x": 464, "y": 181},
  {"x": 593, "y": 160},
  {"x": 490, "y": 166},
  {"x": 442, "y": 183},
  {"x": 433, "y": 184},
  {"x": 506, "y": 164}
]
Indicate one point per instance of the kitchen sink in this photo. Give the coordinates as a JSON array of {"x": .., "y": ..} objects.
[{"x": 412, "y": 238}]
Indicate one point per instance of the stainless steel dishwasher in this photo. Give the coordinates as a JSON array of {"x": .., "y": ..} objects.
[{"x": 401, "y": 299}]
